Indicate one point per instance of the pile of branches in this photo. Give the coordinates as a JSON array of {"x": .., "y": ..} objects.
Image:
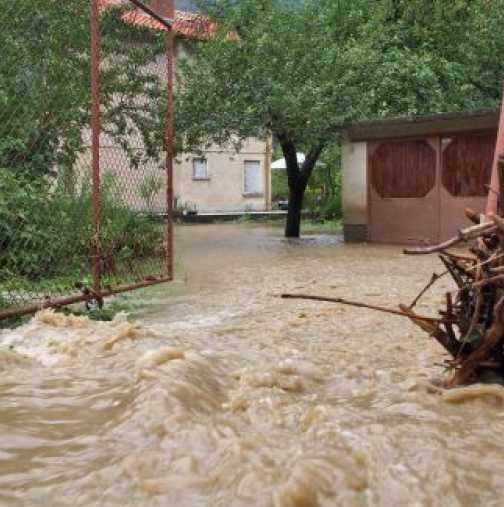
[{"x": 470, "y": 326}]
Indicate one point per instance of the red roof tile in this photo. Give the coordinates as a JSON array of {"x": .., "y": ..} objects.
[{"x": 187, "y": 24}]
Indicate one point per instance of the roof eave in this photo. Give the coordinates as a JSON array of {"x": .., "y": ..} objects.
[{"x": 418, "y": 126}]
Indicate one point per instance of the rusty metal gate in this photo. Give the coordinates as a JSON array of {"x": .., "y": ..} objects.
[
  {"x": 86, "y": 152},
  {"x": 418, "y": 188}
]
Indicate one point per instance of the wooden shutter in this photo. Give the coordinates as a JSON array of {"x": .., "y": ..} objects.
[
  {"x": 467, "y": 164},
  {"x": 403, "y": 169}
]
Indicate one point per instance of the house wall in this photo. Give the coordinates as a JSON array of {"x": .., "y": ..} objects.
[
  {"x": 224, "y": 188},
  {"x": 222, "y": 191},
  {"x": 355, "y": 202}
]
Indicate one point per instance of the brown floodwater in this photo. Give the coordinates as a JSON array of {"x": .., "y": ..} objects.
[{"x": 215, "y": 392}]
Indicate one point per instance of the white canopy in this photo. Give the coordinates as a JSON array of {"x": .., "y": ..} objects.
[{"x": 280, "y": 164}]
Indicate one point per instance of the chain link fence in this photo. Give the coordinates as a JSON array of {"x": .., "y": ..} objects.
[{"x": 86, "y": 121}]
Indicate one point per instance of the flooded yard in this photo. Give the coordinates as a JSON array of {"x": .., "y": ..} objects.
[{"x": 216, "y": 392}]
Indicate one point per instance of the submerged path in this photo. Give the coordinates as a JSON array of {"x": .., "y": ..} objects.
[{"x": 215, "y": 392}]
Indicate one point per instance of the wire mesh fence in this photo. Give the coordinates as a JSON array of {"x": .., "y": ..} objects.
[{"x": 85, "y": 152}]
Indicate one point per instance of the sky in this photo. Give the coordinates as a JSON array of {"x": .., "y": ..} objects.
[{"x": 186, "y": 5}]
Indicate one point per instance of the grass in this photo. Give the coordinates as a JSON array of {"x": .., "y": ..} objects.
[
  {"x": 134, "y": 303},
  {"x": 332, "y": 226},
  {"x": 19, "y": 292},
  {"x": 111, "y": 307},
  {"x": 308, "y": 225}
]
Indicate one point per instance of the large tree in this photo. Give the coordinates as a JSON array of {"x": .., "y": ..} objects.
[
  {"x": 45, "y": 85},
  {"x": 302, "y": 70}
]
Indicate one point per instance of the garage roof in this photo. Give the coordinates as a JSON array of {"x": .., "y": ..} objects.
[{"x": 420, "y": 126}]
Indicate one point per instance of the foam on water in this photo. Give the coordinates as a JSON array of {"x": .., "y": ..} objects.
[{"x": 234, "y": 397}]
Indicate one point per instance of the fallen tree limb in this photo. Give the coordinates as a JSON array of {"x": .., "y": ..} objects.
[
  {"x": 471, "y": 323},
  {"x": 492, "y": 338},
  {"x": 490, "y": 281},
  {"x": 400, "y": 313},
  {"x": 433, "y": 280},
  {"x": 433, "y": 329},
  {"x": 473, "y": 216},
  {"x": 464, "y": 235}
]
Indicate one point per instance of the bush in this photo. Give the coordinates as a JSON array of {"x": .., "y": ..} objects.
[
  {"x": 46, "y": 232},
  {"x": 279, "y": 185},
  {"x": 28, "y": 235},
  {"x": 332, "y": 208},
  {"x": 323, "y": 194}
]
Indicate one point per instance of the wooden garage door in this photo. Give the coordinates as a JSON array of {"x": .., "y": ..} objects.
[
  {"x": 404, "y": 202},
  {"x": 466, "y": 169}
]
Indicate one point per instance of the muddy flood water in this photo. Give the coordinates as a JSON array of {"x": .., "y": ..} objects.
[{"x": 215, "y": 392}]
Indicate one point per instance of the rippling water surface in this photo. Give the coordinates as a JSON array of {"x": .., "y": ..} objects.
[{"x": 216, "y": 392}]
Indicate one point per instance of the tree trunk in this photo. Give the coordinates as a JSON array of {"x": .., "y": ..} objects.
[
  {"x": 293, "y": 225},
  {"x": 298, "y": 179}
]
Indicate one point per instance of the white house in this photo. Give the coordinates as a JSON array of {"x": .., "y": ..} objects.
[{"x": 219, "y": 179}]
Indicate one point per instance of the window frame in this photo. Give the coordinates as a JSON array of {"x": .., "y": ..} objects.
[
  {"x": 200, "y": 178},
  {"x": 261, "y": 170}
]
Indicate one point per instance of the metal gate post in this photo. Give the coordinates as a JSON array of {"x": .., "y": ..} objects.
[
  {"x": 95, "y": 145},
  {"x": 169, "y": 137},
  {"x": 492, "y": 203}
]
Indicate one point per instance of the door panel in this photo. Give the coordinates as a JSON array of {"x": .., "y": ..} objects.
[
  {"x": 404, "y": 199},
  {"x": 466, "y": 169}
]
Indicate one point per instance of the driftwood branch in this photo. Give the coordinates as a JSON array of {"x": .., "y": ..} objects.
[
  {"x": 433, "y": 329},
  {"x": 471, "y": 325},
  {"x": 492, "y": 338},
  {"x": 400, "y": 313},
  {"x": 473, "y": 216},
  {"x": 433, "y": 280},
  {"x": 464, "y": 235}
]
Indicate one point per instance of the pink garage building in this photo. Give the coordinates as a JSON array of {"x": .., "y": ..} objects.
[{"x": 408, "y": 180}]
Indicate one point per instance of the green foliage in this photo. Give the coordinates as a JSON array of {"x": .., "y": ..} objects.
[
  {"x": 149, "y": 189},
  {"x": 279, "y": 186},
  {"x": 46, "y": 232},
  {"x": 461, "y": 39},
  {"x": 304, "y": 70},
  {"x": 332, "y": 208},
  {"x": 45, "y": 96},
  {"x": 278, "y": 77},
  {"x": 27, "y": 229},
  {"x": 45, "y": 92},
  {"x": 127, "y": 237},
  {"x": 324, "y": 190}
]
